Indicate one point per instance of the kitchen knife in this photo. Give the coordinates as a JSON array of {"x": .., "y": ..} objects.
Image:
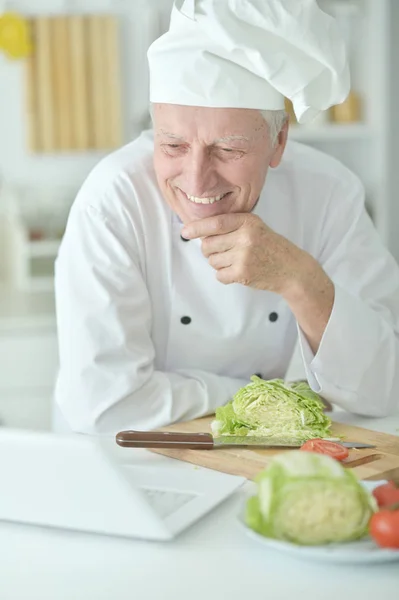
[{"x": 205, "y": 441}]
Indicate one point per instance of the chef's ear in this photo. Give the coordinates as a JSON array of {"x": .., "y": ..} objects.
[{"x": 279, "y": 146}]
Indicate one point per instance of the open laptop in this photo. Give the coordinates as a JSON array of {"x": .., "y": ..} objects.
[{"x": 83, "y": 483}]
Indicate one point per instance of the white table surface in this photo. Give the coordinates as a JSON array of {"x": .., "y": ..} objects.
[{"x": 213, "y": 559}]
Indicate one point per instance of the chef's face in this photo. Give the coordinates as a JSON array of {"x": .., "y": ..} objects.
[{"x": 211, "y": 161}]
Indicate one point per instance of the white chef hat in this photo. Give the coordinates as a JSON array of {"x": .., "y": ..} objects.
[{"x": 250, "y": 54}]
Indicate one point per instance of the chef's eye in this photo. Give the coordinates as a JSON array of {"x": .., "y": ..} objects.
[
  {"x": 173, "y": 149},
  {"x": 228, "y": 153}
]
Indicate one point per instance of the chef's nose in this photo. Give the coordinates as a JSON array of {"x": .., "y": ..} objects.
[{"x": 200, "y": 172}]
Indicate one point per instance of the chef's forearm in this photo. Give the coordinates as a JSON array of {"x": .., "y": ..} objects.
[
  {"x": 310, "y": 295},
  {"x": 357, "y": 363},
  {"x": 140, "y": 402}
]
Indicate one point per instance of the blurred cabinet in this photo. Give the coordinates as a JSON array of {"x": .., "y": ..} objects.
[
  {"x": 28, "y": 358},
  {"x": 29, "y": 361},
  {"x": 26, "y": 408}
]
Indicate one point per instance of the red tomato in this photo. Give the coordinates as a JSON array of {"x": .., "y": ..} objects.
[
  {"x": 386, "y": 494},
  {"x": 320, "y": 446},
  {"x": 384, "y": 528}
]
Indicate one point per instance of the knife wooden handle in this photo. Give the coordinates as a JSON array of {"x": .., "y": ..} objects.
[{"x": 169, "y": 439}]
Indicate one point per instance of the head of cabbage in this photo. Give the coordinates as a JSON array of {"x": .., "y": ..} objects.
[
  {"x": 309, "y": 499},
  {"x": 273, "y": 409}
]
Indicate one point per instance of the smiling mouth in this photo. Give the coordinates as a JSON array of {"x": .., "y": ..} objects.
[{"x": 208, "y": 200}]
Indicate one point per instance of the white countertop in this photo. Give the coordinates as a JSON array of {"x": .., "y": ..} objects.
[{"x": 213, "y": 559}]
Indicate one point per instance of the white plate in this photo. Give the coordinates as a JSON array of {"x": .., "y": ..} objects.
[{"x": 363, "y": 551}]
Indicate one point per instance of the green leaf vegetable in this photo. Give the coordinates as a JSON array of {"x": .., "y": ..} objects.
[
  {"x": 273, "y": 409},
  {"x": 309, "y": 499}
]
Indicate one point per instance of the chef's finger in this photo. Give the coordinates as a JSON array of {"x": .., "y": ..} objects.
[
  {"x": 221, "y": 260},
  {"x": 217, "y": 225},
  {"x": 227, "y": 275},
  {"x": 218, "y": 243}
]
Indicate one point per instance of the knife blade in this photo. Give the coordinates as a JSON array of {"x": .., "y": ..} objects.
[
  {"x": 262, "y": 442},
  {"x": 205, "y": 441}
]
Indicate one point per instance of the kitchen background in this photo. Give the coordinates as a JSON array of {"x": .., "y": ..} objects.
[{"x": 81, "y": 90}]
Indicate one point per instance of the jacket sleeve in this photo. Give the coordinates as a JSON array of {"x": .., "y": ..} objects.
[
  {"x": 107, "y": 380},
  {"x": 357, "y": 364}
]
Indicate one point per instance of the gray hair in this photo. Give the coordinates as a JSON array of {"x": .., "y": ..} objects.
[{"x": 275, "y": 120}]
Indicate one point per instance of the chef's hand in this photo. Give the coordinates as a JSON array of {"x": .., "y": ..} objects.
[{"x": 243, "y": 249}]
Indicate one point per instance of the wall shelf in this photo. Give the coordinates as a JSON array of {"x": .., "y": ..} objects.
[
  {"x": 41, "y": 248},
  {"x": 331, "y": 133}
]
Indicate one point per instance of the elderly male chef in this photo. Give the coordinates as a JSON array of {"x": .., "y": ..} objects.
[{"x": 199, "y": 254}]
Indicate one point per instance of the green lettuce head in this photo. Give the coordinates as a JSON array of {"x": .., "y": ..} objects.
[
  {"x": 273, "y": 409},
  {"x": 309, "y": 499}
]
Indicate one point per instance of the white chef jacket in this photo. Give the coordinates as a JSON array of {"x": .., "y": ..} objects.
[{"x": 147, "y": 334}]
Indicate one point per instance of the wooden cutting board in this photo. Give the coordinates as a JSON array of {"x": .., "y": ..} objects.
[{"x": 381, "y": 462}]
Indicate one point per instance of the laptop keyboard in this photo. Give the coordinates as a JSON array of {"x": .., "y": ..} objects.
[{"x": 166, "y": 502}]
